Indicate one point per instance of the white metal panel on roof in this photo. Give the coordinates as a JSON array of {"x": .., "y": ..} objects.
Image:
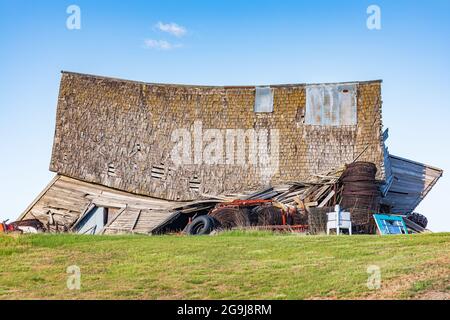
[
  {"x": 333, "y": 105},
  {"x": 263, "y": 99}
]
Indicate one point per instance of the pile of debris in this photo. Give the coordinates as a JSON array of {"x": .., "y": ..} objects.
[
  {"x": 298, "y": 206},
  {"x": 294, "y": 206},
  {"x": 281, "y": 207}
]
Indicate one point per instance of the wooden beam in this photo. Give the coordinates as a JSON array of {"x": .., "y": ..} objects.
[
  {"x": 40, "y": 195},
  {"x": 327, "y": 198},
  {"x": 88, "y": 208},
  {"x": 311, "y": 204},
  {"x": 136, "y": 220},
  {"x": 113, "y": 219}
]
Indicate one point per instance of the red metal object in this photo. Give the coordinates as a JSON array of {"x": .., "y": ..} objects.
[
  {"x": 242, "y": 203},
  {"x": 300, "y": 227},
  {"x": 283, "y": 218},
  {"x": 287, "y": 228},
  {"x": 287, "y": 215},
  {"x": 5, "y": 227}
]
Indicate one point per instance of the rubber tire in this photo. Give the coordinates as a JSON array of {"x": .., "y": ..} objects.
[
  {"x": 201, "y": 225},
  {"x": 418, "y": 218}
]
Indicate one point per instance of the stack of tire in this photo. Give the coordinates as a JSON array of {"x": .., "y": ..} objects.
[
  {"x": 234, "y": 217},
  {"x": 219, "y": 218},
  {"x": 360, "y": 194}
]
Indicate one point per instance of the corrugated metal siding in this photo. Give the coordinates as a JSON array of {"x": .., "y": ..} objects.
[
  {"x": 411, "y": 183},
  {"x": 331, "y": 105}
]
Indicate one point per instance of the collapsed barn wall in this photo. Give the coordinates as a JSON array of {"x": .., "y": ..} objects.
[
  {"x": 118, "y": 133},
  {"x": 65, "y": 200}
]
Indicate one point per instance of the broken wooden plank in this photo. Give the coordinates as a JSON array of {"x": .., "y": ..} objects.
[
  {"x": 327, "y": 198},
  {"x": 136, "y": 220},
  {"x": 88, "y": 208},
  {"x": 311, "y": 204},
  {"x": 113, "y": 219}
]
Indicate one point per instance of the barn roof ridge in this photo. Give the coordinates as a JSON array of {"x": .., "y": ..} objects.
[{"x": 108, "y": 78}]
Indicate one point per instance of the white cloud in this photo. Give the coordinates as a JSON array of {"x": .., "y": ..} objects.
[
  {"x": 160, "y": 44},
  {"x": 171, "y": 28}
]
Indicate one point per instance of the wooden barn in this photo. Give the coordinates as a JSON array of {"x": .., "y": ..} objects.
[{"x": 113, "y": 150}]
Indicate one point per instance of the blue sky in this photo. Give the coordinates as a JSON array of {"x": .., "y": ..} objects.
[{"x": 226, "y": 42}]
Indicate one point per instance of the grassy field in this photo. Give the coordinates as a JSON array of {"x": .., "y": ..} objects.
[{"x": 235, "y": 265}]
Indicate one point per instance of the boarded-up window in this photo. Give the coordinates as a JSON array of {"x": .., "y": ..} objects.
[
  {"x": 263, "y": 99},
  {"x": 332, "y": 105}
]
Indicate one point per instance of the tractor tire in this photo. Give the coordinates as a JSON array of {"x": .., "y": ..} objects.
[
  {"x": 200, "y": 226},
  {"x": 418, "y": 218}
]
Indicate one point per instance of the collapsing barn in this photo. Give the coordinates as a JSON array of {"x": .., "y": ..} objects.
[{"x": 147, "y": 158}]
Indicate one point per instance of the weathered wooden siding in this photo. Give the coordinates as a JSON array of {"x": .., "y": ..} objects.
[
  {"x": 118, "y": 133},
  {"x": 65, "y": 199}
]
